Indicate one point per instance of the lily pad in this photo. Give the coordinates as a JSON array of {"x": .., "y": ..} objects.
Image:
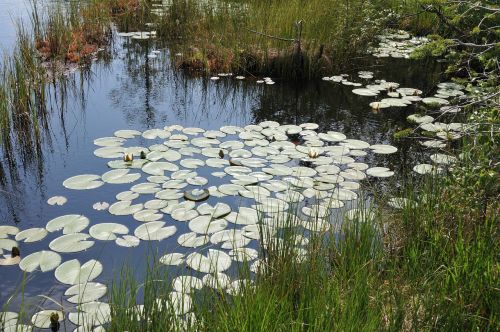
[
  {"x": 154, "y": 231},
  {"x": 172, "y": 259},
  {"x": 32, "y": 234},
  {"x": 41, "y": 319},
  {"x": 207, "y": 225},
  {"x": 186, "y": 284},
  {"x": 192, "y": 240},
  {"x": 122, "y": 208},
  {"x": 127, "y": 241},
  {"x": 85, "y": 292},
  {"x": 57, "y": 200},
  {"x": 118, "y": 176},
  {"x": 379, "y": 172},
  {"x": 44, "y": 260},
  {"x": 83, "y": 182},
  {"x": 214, "y": 261},
  {"x": 107, "y": 231},
  {"x": 72, "y": 272},
  {"x": 71, "y": 223},
  {"x": 71, "y": 243}
]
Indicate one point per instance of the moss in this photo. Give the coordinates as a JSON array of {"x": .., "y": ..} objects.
[{"x": 403, "y": 133}]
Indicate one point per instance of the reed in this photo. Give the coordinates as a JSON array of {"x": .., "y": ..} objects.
[{"x": 289, "y": 39}]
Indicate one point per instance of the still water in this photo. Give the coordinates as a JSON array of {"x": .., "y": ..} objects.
[{"x": 133, "y": 91}]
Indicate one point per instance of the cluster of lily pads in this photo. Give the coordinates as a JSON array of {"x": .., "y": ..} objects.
[
  {"x": 276, "y": 172},
  {"x": 139, "y": 35},
  {"x": 265, "y": 80},
  {"x": 396, "y": 44},
  {"x": 441, "y": 103}
]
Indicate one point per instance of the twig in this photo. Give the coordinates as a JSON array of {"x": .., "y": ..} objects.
[{"x": 271, "y": 36}]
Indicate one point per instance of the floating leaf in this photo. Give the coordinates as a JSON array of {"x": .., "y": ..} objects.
[
  {"x": 71, "y": 243},
  {"x": 127, "y": 241},
  {"x": 207, "y": 225},
  {"x": 72, "y": 273},
  {"x": 83, "y": 182},
  {"x": 100, "y": 206},
  {"x": 172, "y": 259},
  {"x": 214, "y": 261},
  {"x": 85, "y": 292},
  {"x": 154, "y": 231},
  {"x": 181, "y": 214},
  {"x": 192, "y": 240},
  {"x": 32, "y": 234},
  {"x": 71, "y": 223},
  {"x": 216, "y": 280},
  {"x": 107, "y": 231},
  {"x": 42, "y": 320},
  {"x": 122, "y": 208},
  {"x": 383, "y": 149},
  {"x": 118, "y": 176},
  {"x": 45, "y": 260},
  {"x": 380, "y": 172},
  {"x": 186, "y": 284},
  {"x": 245, "y": 216},
  {"x": 91, "y": 314},
  {"x": 57, "y": 200},
  {"x": 147, "y": 215}
]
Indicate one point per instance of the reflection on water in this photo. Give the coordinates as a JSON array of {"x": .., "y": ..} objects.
[{"x": 138, "y": 92}]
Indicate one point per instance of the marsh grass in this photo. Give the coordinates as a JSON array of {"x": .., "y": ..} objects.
[{"x": 288, "y": 39}]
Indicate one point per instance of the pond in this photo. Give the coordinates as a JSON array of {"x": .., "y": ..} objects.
[{"x": 135, "y": 91}]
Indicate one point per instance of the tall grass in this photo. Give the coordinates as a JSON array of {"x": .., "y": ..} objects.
[{"x": 289, "y": 39}]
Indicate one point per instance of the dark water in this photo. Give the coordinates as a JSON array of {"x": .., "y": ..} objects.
[{"x": 135, "y": 92}]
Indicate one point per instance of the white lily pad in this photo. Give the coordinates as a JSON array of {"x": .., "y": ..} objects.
[
  {"x": 443, "y": 159},
  {"x": 71, "y": 243},
  {"x": 214, "y": 261},
  {"x": 154, "y": 231},
  {"x": 122, "y": 208},
  {"x": 127, "y": 196},
  {"x": 41, "y": 319},
  {"x": 85, "y": 292},
  {"x": 83, "y": 182},
  {"x": 45, "y": 260},
  {"x": 159, "y": 167},
  {"x": 383, "y": 149},
  {"x": 72, "y": 272},
  {"x": 244, "y": 254},
  {"x": 426, "y": 169},
  {"x": 192, "y": 240},
  {"x": 57, "y": 200},
  {"x": 379, "y": 172},
  {"x": 91, "y": 314},
  {"x": 192, "y": 163},
  {"x": 125, "y": 133},
  {"x": 172, "y": 259},
  {"x": 181, "y": 214},
  {"x": 71, "y": 223},
  {"x": 215, "y": 212},
  {"x": 100, "y": 206},
  {"x": 207, "y": 225},
  {"x": 156, "y": 133},
  {"x": 107, "y": 231},
  {"x": 216, "y": 280},
  {"x": 186, "y": 284},
  {"x": 245, "y": 216},
  {"x": 127, "y": 241},
  {"x": 118, "y": 176},
  {"x": 32, "y": 234}
]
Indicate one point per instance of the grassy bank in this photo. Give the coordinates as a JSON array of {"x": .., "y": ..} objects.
[{"x": 288, "y": 39}]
